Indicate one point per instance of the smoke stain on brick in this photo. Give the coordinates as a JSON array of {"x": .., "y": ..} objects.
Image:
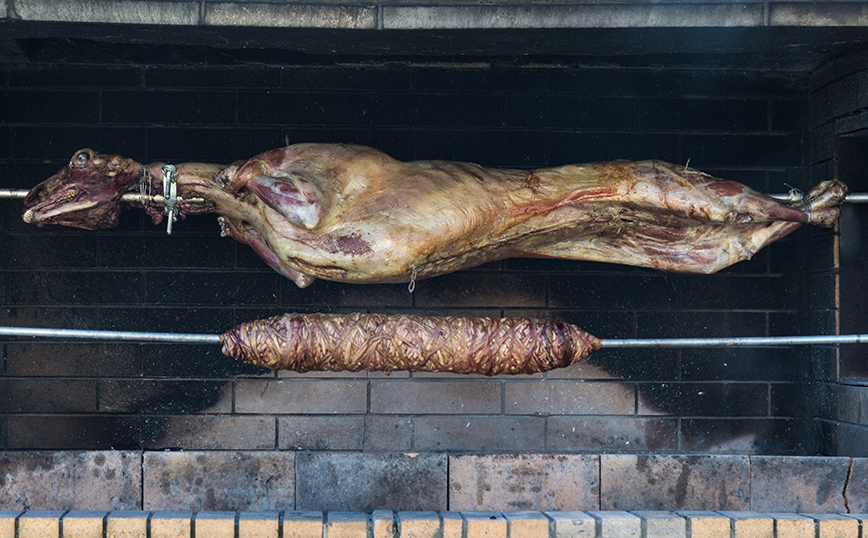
[{"x": 681, "y": 485}]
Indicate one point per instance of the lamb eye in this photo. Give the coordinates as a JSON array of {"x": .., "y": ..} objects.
[{"x": 82, "y": 157}]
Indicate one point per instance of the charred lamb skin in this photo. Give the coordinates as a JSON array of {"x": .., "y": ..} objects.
[
  {"x": 351, "y": 213},
  {"x": 375, "y": 342}
]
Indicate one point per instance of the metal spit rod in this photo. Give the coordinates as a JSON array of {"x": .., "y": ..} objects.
[
  {"x": 191, "y": 338},
  {"x": 82, "y": 334},
  {"x": 852, "y": 198},
  {"x": 131, "y": 197}
]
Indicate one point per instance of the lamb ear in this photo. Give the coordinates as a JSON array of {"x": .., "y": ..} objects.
[{"x": 293, "y": 196}]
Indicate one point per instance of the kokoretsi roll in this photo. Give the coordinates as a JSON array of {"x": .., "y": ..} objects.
[{"x": 376, "y": 342}]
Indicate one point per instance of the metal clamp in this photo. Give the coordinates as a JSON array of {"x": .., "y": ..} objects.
[{"x": 170, "y": 195}]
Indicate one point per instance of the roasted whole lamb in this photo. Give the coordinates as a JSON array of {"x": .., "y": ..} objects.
[
  {"x": 375, "y": 342},
  {"x": 353, "y": 214}
]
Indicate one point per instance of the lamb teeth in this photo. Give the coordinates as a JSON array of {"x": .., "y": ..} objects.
[{"x": 28, "y": 216}]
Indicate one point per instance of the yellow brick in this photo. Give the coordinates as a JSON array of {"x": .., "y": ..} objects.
[
  {"x": 662, "y": 524},
  {"x": 382, "y": 524},
  {"x": 215, "y": 525},
  {"x": 572, "y": 524},
  {"x": 453, "y": 524},
  {"x": 171, "y": 524},
  {"x": 127, "y": 524},
  {"x": 258, "y": 525},
  {"x": 861, "y": 518},
  {"x": 792, "y": 526},
  {"x": 347, "y": 525},
  {"x": 83, "y": 524},
  {"x": 418, "y": 524},
  {"x": 751, "y": 525},
  {"x": 527, "y": 524},
  {"x": 7, "y": 523},
  {"x": 484, "y": 524},
  {"x": 302, "y": 525},
  {"x": 39, "y": 524},
  {"x": 618, "y": 524},
  {"x": 705, "y": 524},
  {"x": 834, "y": 526}
]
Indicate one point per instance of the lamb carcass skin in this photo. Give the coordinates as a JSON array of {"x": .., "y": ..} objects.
[{"x": 351, "y": 213}]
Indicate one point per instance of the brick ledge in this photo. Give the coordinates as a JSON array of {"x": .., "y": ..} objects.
[{"x": 388, "y": 524}]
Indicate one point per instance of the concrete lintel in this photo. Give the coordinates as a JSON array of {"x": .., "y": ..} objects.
[
  {"x": 465, "y": 17},
  {"x": 170, "y": 13},
  {"x": 343, "y": 17},
  {"x": 818, "y": 14},
  {"x": 435, "y": 15}
]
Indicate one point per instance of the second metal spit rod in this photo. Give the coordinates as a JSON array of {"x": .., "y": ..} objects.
[
  {"x": 192, "y": 338},
  {"x": 852, "y": 198}
]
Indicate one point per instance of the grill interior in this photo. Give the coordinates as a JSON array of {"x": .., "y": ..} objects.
[{"x": 776, "y": 105}]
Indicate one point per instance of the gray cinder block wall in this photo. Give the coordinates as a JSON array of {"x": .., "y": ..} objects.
[
  {"x": 839, "y": 144},
  {"x": 741, "y": 124}
]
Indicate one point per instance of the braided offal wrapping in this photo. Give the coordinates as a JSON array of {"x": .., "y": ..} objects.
[{"x": 375, "y": 342}]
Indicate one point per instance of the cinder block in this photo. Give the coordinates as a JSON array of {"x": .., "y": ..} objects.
[
  {"x": 301, "y": 396},
  {"x": 39, "y": 524},
  {"x": 441, "y": 397},
  {"x": 797, "y": 484},
  {"x": 750, "y": 524},
  {"x": 524, "y": 481},
  {"x": 213, "y": 432},
  {"x": 7, "y": 523},
  {"x": 81, "y": 480},
  {"x": 661, "y": 524},
  {"x": 171, "y": 524},
  {"x": 453, "y": 524},
  {"x": 792, "y": 525},
  {"x": 484, "y": 523},
  {"x": 418, "y": 524},
  {"x": 569, "y": 398},
  {"x": 258, "y": 524},
  {"x": 322, "y": 433},
  {"x": 527, "y": 524},
  {"x": 302, "y": 524},
  {"x": 364, "y": 482},
  {"x": 706, "y": 524},
  {"x": 84, "y": 524},
  {"x": 127, "y": 524},
  {"x": 215, "y": 524},
  {"x": 617, "y": 524},
  {"x": 572, "y": 525},
  {"x": 857, "y": 489},
  {"x": 382, "y": 524},
  {"x": 219, "y": 480},
  {"x": 641, "y": 482},
  {"x": 834, "y": 526},
  {"x": 479, "y": 434},
  {"x": 346, "y": 525}
]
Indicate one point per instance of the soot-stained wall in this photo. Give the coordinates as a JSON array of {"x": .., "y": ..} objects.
[
  {"x": 839, "y": 145},
  {"x": 738, "y": 124}
]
